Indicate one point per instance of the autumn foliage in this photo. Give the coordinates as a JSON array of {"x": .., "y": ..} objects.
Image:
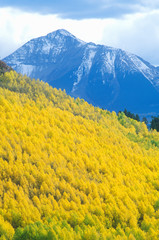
[{"x": 69, "y": 170}]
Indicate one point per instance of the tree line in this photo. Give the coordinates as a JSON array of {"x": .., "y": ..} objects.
[{"x": 154, "y": 124}]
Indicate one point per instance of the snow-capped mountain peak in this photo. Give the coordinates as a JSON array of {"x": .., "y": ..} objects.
[
  {"x": 104, "y": 76},
  {"x": 62, "y": 32}
]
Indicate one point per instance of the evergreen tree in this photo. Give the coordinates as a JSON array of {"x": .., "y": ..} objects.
[
  {"x": 155, "y": 123},
  {"x": 132, "y": 115},
  {"x": 144, "y": 119}
]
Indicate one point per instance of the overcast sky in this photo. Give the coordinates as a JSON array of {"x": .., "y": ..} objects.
[{"x": 130, "y": 25}]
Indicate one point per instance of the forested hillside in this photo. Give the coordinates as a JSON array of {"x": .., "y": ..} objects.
[
  {"x": 69, "y": 170},
  {"x": 4, "y": 67}
]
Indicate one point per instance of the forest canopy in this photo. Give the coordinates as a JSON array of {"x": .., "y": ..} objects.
[{"x": 73, "y": 171}]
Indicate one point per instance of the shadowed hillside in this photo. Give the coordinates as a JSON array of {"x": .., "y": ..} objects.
[{"x": 4, "y": 67}]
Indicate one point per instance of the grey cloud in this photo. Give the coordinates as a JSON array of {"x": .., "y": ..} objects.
[{"x": 81, "y": 9}]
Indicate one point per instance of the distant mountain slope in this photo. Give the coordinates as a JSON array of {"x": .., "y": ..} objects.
[{"x": 104, "y": 76}]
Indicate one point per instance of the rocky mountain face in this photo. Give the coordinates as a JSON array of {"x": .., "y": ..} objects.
[{"x": 104, "y": 76}]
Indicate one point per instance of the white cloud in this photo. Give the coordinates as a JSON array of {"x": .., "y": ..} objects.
[
  {"x": 18, "y": 27},
  {"x": 136, "y": 33}
]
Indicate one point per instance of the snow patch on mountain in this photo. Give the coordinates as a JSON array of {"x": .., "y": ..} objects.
[
  {"x": 123, "y": 61},
  {"x": 30, "y": 45},
  {"x": 108, "y": 63},
  {"x": 26, "y": 69},
  {"x": 142, "y": 67},
  {"x": 47, "y": 47},
  {"x": 85, "y": 66}
]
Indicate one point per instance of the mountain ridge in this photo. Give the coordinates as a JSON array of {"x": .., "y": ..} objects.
[{"x": 104, "y": 76}]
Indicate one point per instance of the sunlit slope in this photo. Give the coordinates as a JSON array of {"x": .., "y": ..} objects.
[{"x": 72, "y": 171}]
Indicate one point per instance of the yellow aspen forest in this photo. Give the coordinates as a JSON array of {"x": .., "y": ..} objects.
[{"x": 69, "y": 170}]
